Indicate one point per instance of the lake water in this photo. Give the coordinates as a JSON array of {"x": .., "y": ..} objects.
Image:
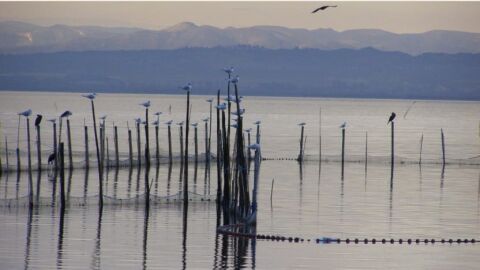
[{"x": 311, "y": 201}]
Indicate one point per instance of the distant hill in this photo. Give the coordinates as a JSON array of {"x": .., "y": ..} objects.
[
  {"x": 18, "y": 37},
  {"x": 365, "y": 73}
]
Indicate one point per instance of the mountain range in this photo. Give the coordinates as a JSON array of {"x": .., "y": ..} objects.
[{"x": 20, "y": 37}]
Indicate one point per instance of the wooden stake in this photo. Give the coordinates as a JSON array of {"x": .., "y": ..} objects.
[
  {"x": 181, "y": 143},
  {"x": 130, "y": 151},
  {"x": 115, "y": 138},
  {"x": 108, "y": 154},
  {"x": 6, "y": 153},
  {"x": 196, "y": 145},
  {"x": 300, "y": 155},
  {"x": 343, "y": 149},
  {"x": 443, "y": 147},
  {"x": 185, "y": 180},
  {"x": 55, "y": 150},
  {"x": 147, "y": 139},
  {"x": 393, "y": 143},
  {"x": 30, "y": 182},
  {"x": 39, "y": 149},
  {"x": 169, "y": 144},
  {"x": 87, "y": 152},
  {"x": 366, "y": 149},
  {"x": 206, "y": 142},
  {"x": 99, "y": 162},
  {"x": 139, "y": 151},
  {"x": 157, "y": 146},
  {"x": 69, "y": 138},
  {"x": 219, "y": 151},
  {"x": 421, "y": 148},
  {"x": 62, "y": 176}
]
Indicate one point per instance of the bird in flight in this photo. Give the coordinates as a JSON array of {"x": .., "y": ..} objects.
[
  {"x": 392, "y": 116},
  {"x": 323, "y": 8}
]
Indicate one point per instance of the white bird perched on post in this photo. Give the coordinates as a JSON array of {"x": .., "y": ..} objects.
[
  {"x": 248, "y": 130},
  {"x": 210, "y": 100},
  {"x": 221, "y": 106},
  {"x": 205, "y": 119},
  {"x": 229, "y": 70},
  {"x": 103, "y": 117},
  {"x": 233, "y": 98},
  {"x": 145, "y": 104},
  {"x": 144, "y": 122},
  {"x": 157, "y": 113},
  {"x": 26, "y": 113},
  {"x": 254, "y": 146},
  {"x": 53, "y": 120},
  {"x": 138, "y": 120},
  {"x": 90, "y": 96},
  {"x": 187, "y": 87},
  {"x": 234, "y": 125},
  {"x": 155, "y": 123},
  {"x": 302, "y": 124},
  {"x": 235, "y": 80},
  {"x": 257, "y": 122},
  {"x": 242, "y": 111},
  {"x": 168, "y": 123},
  {"x": 194, "y": 124},
  {"x": 344, "y": 125}
]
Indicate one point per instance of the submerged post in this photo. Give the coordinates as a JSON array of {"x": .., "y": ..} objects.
[
  {"x": 30, "y": 182},
  {"x": 130, "y": 154},
  {"x": 62, "y": 176},
  {"x": 55, "y": 150},
  {"x": 157, "y": 146},
  {"x": 421, "y": 148},
  {"x": 87, "y": 154},
  {"x": 219, "y": 146},
  {"x": 196, "y": 144},
  {"x": 181, "y": 142},
  {"x": 39, "y": 148},
  {"x": 443, "y": 147},
  {"x": 139, "y": 150},
  {"x": 185, "y": 180},
  {"x": 147, "y": 138},
  {"x": 69, "y": 139},
  {"x": 206, "y": 142},
  {"x": 115, "y": 138},
  {"x": 169, "y": 144}
]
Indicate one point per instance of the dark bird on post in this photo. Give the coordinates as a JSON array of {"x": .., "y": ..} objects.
[
  {"x": 66, "y": 114},
  {"x": 392, "y": 116},
  {"x": 323, "y": 8},
  {"x": 51, "y": 158},
  {"x": 38, "y": 120}
]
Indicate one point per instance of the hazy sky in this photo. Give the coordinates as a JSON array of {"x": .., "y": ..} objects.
[{"x": 400, "y": 17}]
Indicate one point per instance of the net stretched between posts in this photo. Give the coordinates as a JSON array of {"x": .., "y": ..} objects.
[{"x": 107, "y": 200}]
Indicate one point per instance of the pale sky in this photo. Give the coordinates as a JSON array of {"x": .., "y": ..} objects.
[{"x": 399, "y": 17}]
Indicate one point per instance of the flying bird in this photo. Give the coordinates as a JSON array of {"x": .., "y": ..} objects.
[
  {"x": 323, "y": 8},
  {"x": 26, "y": 113},
  {"x": 392, "y": 116},
  {"x": 344, "y": 125},
  {"x": 38, "y": 120},
  {"x": 90, "y": 96},
  {"x": 145, "y": 104},
  {"x": 66, "y": 114}
]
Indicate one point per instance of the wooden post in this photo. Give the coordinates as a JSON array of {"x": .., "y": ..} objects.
[
  {"x": 210, "y": 136},
  {"x": 99, "y": 162},
  {"x": 87, "y": 154},
  {"x": 226, "y": 164},
  {"x": 115, "y": 138},
  {"x": 249, "y": 150},
  {"x": 185, "y": 180},
  {"x": 130, "y": 154},
  {"x": 139, "y": 151},
  {"x": 102, "y": 148},
  {"x": 108, "y": 154},
  {"x": 39, "y": 149},
  {"x": 55, "y": 150},
  {"x": 62, "y": 176},
  {"x": 69, "y": 138},
  {"x": 258, "y": 134},
  {"x": 393, "y": 143},
  {"x": 443, "y": 147},
  {"x": 169, "y": 144},
  {"x": 6, "y": 154},
  {"x": 181, "y": 143},
  {"x": 206, "y": 142},
  {"x": 366, "y": 149},
  {"x": 421, "y": 148},
  {"x": 320, "y": 136},
  {"x": 30, "y": 182},
  {"x": 196, "y": 144},
  {"x": 343, "y": 149},
  {"x": 18, "y": 159},
  {"x": 300, "y": 155},
  {"x": 147, "y": 139},
  {"x": 157, "y": 146},
  {"x": 219, "y": 146}
]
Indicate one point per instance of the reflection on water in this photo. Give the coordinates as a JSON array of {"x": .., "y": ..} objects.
[{"x": 310, "y": 202}]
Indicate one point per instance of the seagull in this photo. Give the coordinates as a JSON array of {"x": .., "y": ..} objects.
[
  {"x": 187, "y": 87},
  {"x": 138, "y": 120},
  {"x": 51, "y": 158},
  {"x": 155, "y": 123},
  {"x": 168, "y": 123},
  {"x": 248, "y": 130},
  {"x": 103, "y": 117},
  {"x": 234, "y": 125},
  {"x": 53, "y": 120},
  {"x": 255, "y": 146},
  {"x": 26, "y": 113},
  {"x": 229, "y": 70},
  {"x": 242, "y": 111},
  {"x": 233, "y": 98},
  {"x": 343, "y": 126},
  {"x": 205, "y": 119},
  {"x": 90, "y": 96},
  {"x": 157, "y": 113},
  {"x": 222, "y": 106},
  {"x": 194, "y": 125},
  {"x": 392, "y": 116},
  {"x": 323, "y": 8},
  {"x": 257, "y": 122},
  {"x": 180, "y": 124},
  {"x": 145, "y": 104},
  {"x": 302, "y": 124},
  {"x": 209, "y": 100},
  {"x": 38, "y": 120},
  {"x": 66, "y": 114},
  {"x": 144, "y": 122}
]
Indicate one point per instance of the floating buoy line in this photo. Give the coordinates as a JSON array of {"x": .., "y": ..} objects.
[{"x": 233, "y": 230}]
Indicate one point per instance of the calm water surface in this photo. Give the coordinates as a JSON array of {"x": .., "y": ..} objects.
[{"x": 308, "y": 201}]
